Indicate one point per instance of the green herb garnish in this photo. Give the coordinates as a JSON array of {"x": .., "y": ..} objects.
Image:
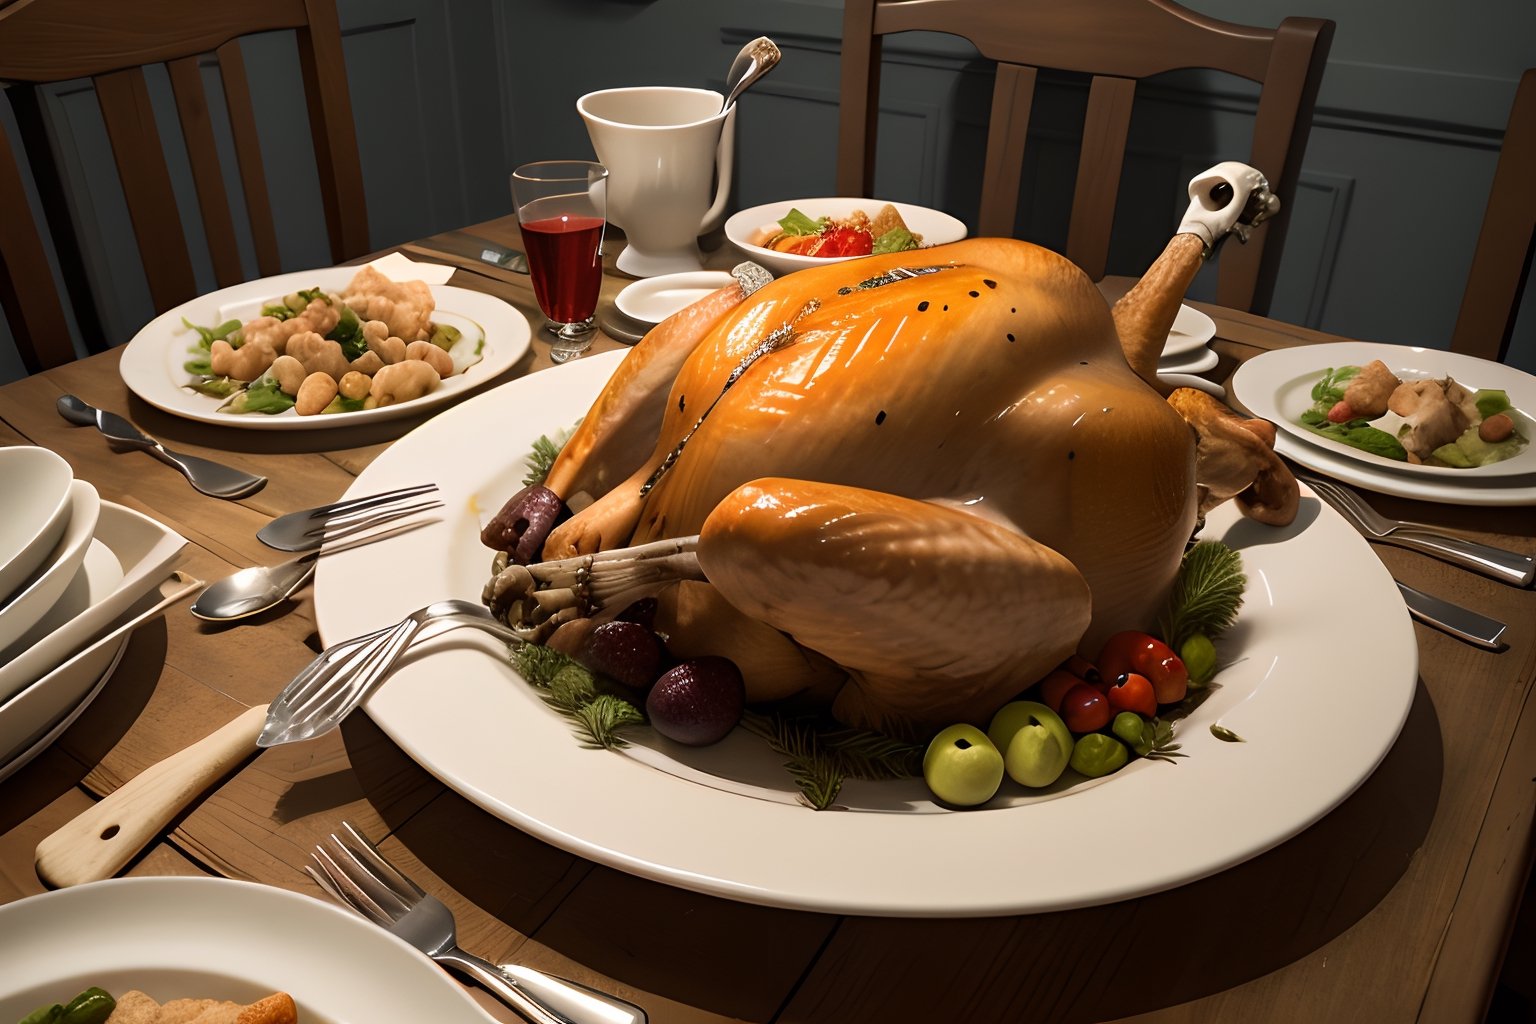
[
  {"x": 262, "y": 396},
  {"x": 215, "y": 387},
  {"x": 348, "y": 333},
  {"x": 796, "y": 223},
  {"x": 577, "y": 694},
  {"x": 820, "y": 755},
  {"x": 208, "y": 335},
  {"x": 544, "y": 453},
  {"x": 1207, "y": 593},
  {"x": 894, "y": 240}
]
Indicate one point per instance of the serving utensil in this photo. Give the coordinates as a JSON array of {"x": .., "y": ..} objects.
[
  {"x": 755, "y": 60},
  {"x": 211, "y": 478},
  {"x": 305, "y": 529},
  {"x": 252, "y": 591},
  {"x": 98, "y": 842},
  {"x": 353, "y": 871},
  {"x": 1500, "y": 564}
]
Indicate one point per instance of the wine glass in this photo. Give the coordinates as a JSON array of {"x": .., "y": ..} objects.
[{"x": 562, "y": 209}]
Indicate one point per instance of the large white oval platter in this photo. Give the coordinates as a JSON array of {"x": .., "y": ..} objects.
[{"x": 662, "y": 814}]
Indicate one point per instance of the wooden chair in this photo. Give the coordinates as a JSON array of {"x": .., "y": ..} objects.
[
  {"x": 1116, "y": 42},
  {"x": 48, "y": 41},
  {"x": 1501, "y": 264}
]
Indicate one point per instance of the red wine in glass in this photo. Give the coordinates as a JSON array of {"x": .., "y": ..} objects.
[{"x": 565, "y": 265}]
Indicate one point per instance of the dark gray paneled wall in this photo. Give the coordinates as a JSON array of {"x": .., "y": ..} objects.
[{"x": 450, "y": 95}]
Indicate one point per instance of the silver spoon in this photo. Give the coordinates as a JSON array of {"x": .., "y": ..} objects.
[
  {"x": 754, "y": 61},
  {"x": 252, "y": 591},
  {"x": 211, "y": 478}
]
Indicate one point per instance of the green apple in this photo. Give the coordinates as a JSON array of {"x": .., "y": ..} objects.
[
  {"x": 1035, "y": 742},
  {"x": 962, "y": 767}
]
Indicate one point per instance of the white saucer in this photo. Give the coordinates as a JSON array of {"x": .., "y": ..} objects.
[
  {"x": 653, "y": 299},
  {"x": 1196, "y": 361}
]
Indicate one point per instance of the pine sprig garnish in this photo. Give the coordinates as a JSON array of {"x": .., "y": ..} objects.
[
  {"x": 819, "y": 757},
  {"x": 576, "y": 693},
  {"x": 871, "y": 755},
  {"x": 1207, "y": 593},
  {"x": 603, "y": 717},
  {"x": 815, "y": 774},
  {"x": 545, "y": 451}
]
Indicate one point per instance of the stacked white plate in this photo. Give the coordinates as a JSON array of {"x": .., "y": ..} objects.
[
  {"x": 76, "y": 575},
  {"x": 1186, "y": 354}
]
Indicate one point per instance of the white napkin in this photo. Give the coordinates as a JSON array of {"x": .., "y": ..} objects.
[{"x": 397, "y": 267}]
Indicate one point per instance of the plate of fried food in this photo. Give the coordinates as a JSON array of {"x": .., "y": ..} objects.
[
  {"x": 207, "y": 950},
  {"x": 322, "y": 348}
]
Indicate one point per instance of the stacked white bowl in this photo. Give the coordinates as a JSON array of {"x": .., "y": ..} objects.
[{"x": 76, "y": 575}]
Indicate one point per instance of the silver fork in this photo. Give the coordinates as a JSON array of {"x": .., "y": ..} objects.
[
  {"x": 306, "y": 529},
  {"x": 344, "y": 674},
  {"x": 353, "y": 871},
  {"x": 1500, "y": 564}
]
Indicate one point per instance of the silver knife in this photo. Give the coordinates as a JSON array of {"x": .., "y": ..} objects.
[{"x": 1461, "y": 623}]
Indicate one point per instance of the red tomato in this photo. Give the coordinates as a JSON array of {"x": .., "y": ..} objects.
[
  {"x": 1085, "y": 709},
  {"x": 1054, "y": 685},
  {"x": 1082, "y": 668},
  {"x": 1133, "y": 692},
  {"x": 1145, "y": 655},
  {"x": 840, "y": 241}
]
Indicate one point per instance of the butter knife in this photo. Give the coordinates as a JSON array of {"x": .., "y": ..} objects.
[{"x": 1462, "y": 623}]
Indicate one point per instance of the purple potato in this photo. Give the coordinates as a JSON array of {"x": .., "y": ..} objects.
[
  {"x": 626, "y": 652},
  {"x": 524, "y": 523},
  {"x": 697, "y": 702}
]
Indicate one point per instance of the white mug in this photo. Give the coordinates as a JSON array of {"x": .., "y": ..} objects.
[{"x": 663, "y": 147}]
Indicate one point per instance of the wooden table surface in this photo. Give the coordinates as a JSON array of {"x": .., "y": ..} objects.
[{"x": 1395, "y": 907}]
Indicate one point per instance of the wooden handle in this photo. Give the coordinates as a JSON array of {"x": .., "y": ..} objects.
[{"x": 97, "y": 843}]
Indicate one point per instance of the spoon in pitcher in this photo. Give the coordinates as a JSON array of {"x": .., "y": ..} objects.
[{"x": 755, "y": 60}]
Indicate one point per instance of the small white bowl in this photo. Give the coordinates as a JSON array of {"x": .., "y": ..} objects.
[
  {"x": 935, "y": 227},
  {"x": 38, "y": 594},
  {"x": 34, "y": 510}
]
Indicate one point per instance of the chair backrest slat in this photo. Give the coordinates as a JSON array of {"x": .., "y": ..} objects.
[
  {"x": 27, "y": 290},
  {"x": 1105, "y": 127},
  {"x": 136, "y": 148},
  {"x": 203, "y": 155},
  {"x": 1013, "y": 95},
  {"x": 1117, "y": 43},
  {"x": 253, "y": 175},
  {"x": 335, "y": 135},
  {"x": 1501, "y": 264}
]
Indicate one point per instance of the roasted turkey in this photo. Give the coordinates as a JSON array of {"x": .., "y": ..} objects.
[{"x": 907, "y": 485}]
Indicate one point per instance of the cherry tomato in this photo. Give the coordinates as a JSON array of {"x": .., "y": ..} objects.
[
  {"x": 1145, "y": 655},
  {"x": 1054, "y": 685},
  {"x": 1133, "y": 692},
  {"x": 841, "y": 241},
  {"x": 1085, "y": 709},
  {"x": 1083, "y": 669}
]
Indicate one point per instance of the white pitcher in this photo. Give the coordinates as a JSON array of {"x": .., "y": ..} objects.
[{"x": 663, "y": 147}]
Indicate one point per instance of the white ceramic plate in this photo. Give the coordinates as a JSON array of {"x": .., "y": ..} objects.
[
  {"x": 653, "y": 299},
  {"x": 935, "y": 227},
  {"x": 1497, "y": 492},
  {"x": 152, "y": 364},
  {"x": 39, "y": 594},
  {"x": 1196, "y": 361},
  {"x": 142, "y": 549},
  {"x": 1277, "y": 386},
  {"x": 39, "y": 714},
  {"x": 34, "y": 509},
  {"x": 1191, "y": 330},
  {"x": 215, "y": 938},
  {"x": 723, "y": 820}
]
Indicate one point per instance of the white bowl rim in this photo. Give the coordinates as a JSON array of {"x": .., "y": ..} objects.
[
  {"x": 27, "y": 540},
  {"x": 737, "y": 224}
]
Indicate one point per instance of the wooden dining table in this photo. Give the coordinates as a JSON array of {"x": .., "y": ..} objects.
[{"x": 1396, "y": 906}]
